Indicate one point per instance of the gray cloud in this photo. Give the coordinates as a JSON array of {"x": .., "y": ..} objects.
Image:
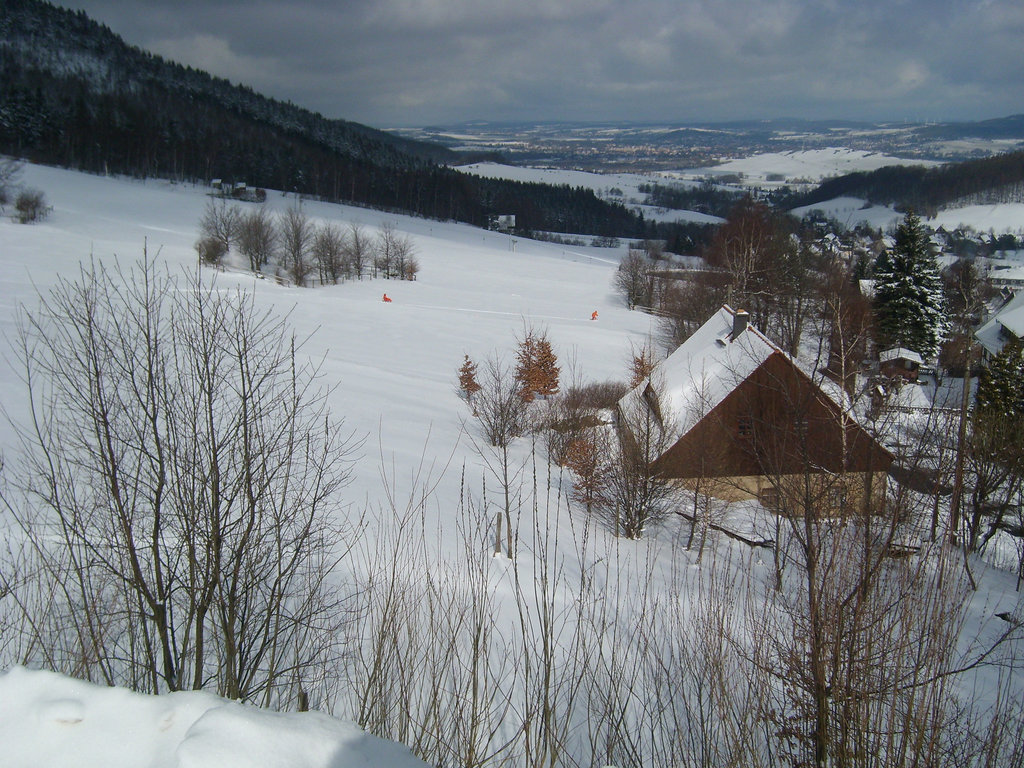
[{"x": 411, "y": 62}]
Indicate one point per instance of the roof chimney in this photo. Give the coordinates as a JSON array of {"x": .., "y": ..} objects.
[{"x": 739, "y": 323}]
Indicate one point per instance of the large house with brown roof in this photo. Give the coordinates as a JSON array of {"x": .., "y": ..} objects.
[{"x": 747, "y": 422}]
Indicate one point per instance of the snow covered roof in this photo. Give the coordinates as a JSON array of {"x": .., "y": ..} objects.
[
  {"x": 1010, "y": 317},
  {"x": 1007, "y": 276},
  {"x": 900, "y": 353},
  {"x": 703, "y": 370}
]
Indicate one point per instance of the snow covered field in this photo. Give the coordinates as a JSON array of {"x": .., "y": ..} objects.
[
  {"x": 811, "y": 165},
  {"x": 392, "y": 368},
  {"x": 393, "y": 365},
  {"x": 851, "y": 211}
]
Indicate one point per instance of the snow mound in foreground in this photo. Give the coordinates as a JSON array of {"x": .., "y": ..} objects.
[{"x": 52, "y": 720}]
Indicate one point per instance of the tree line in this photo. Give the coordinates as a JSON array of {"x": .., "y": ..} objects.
[
  {"x": 290, "y": 246},
  {"x": 927, "y": 190}
]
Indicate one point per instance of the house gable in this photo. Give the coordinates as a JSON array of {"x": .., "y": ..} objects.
[{"x": 776, "y": 421}]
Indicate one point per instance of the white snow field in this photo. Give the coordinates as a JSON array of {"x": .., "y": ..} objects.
[
  {"x": 54, "y": 721},
  {"x": 393, "y": 365},
  {"x": 851, "y": 211},
  {"x": 810, "y": 165}
]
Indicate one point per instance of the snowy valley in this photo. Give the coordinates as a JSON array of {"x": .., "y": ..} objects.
[{"x": 571, "y": 645}]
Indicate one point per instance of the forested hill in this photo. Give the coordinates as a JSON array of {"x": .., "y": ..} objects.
[
  {"x": 928, "y": 190},
  {"x": 75, "y": 94}
]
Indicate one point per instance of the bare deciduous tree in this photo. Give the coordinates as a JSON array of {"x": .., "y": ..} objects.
[
  {"x": 296, "y": 236},
  {"x": 633, "y": 280},
  {"x": 220, "y": 222},
  {"x": 637, "y": 495},
  {"x": 328, "y": 253},
  {"x": 257, "y": 238},
  {"x": 687, "y": 304},
  {"x": 503, "y": 417},
  {"x": 179, "y": 494},
  {"x": 392, "y": 252},
  {"x": 358, "y": 250}
]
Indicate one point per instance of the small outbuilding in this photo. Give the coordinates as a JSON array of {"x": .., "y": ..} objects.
[{"x": 900, "y": 361}]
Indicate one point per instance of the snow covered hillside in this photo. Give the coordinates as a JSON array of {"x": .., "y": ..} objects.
[
  {"x": 851, "y": 211},
  {"x": 807, "y": 166},
  {"x": 393, "y": 365}
]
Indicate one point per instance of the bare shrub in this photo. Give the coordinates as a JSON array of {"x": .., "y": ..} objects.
[
  {"x": 597, "y": 395},
  {"x": 210, "y": 250},
  {"x": 30, "y": 206},
  {"x": 570, "y": 416}
]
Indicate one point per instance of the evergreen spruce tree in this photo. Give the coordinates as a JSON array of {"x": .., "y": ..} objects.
[
  {"x": 1001, "y": 384},
  {"x": 909, "y": 299}
]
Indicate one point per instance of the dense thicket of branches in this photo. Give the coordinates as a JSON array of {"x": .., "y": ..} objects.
[{"x": 174, "y": 519}]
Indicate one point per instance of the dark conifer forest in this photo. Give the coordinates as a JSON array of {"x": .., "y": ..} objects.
[{"x": 76, "y": 95}]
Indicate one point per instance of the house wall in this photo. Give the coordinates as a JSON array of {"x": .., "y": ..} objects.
[{"x": 824, "y": 494}]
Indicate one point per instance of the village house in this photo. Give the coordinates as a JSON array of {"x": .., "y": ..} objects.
[
  {"x": 740, "y": 419},
  {"x": 1006, "y": 324}
]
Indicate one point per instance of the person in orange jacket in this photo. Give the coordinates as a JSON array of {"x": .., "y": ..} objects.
[
  {"x": 593, "y": 315},
  {"x": 386, "y": 299}
]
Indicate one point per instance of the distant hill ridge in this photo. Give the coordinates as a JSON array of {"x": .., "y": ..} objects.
[
  {"x": 75, "y": 94},
  {"x": 928, "y": 190}
]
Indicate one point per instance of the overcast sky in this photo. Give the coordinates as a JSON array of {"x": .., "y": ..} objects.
[{"x": 416, "y": 62}]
